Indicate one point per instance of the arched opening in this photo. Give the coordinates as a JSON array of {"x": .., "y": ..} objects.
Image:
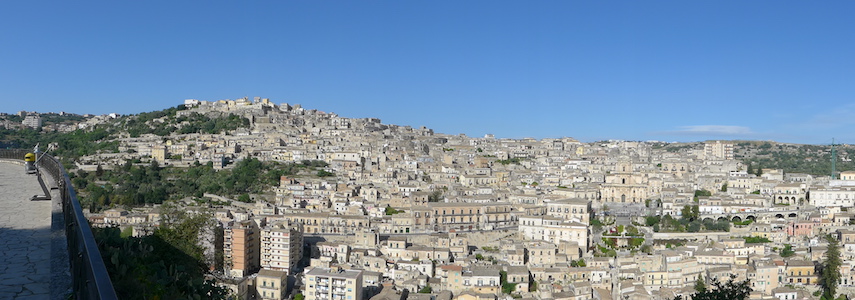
[
  {"x": 623, "y": 198},
  {"x": 779, "y": 216},
  {"x": 752, "y": 218},
  {"x": 722, "y": 219},
  {"x": 792, "y": 215},
  {"x": 736, "y": 219}
]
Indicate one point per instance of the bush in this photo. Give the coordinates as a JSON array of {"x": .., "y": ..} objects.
[{"x": 755, "y": 240}]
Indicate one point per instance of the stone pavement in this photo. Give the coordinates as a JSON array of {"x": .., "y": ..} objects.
[{"x": 30, "y": 267}]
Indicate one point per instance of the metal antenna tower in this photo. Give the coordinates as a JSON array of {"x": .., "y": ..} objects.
[{"x": 833, "y": 159}]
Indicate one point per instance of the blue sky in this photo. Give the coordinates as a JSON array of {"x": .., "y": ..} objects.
[{"x": 593, "y": 70}]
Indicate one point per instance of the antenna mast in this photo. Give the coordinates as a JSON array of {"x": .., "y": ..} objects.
[{"x": 833, "y": 159}]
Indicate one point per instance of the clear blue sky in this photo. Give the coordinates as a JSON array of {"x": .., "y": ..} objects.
[{"x": 593, "y": 70}]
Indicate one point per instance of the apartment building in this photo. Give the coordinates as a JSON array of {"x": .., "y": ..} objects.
[
  {"x": 718, "y": 150},
  {"x": 32, "y": 121},
  {"x": 333, "y": 284},
  {"x": 241, "y": 248},
  {"x": 578, "y": 210},
  {"x": 271, "y": 285},
  {"x": 281, "y": 246}
]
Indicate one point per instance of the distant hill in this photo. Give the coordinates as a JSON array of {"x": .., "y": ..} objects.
[{"x": 100, "y": 135}]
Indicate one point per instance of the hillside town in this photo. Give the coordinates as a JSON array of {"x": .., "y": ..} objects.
[{"x": 408, "y": 213}]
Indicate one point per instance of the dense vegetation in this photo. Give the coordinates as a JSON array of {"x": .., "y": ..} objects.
[
  {"x": 98, "y": 139},
  {"x": 809, "y": 159},
  {"x": 688, "y": 222},
  {"x": 134, "y": 185},
  {"x": 71, "y": 145},
  {"x": 730, "y": 290},
  {"x": 163, "y": 123},
  {"x": 47, "y": 118},
  {"x": 169, "y": 264}
]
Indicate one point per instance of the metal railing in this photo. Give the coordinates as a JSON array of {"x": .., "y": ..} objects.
[{"x": 89, "y": 276}]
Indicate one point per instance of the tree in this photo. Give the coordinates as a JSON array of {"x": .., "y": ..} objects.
[
  {"x": 700, "y": 285},
  {"x": 787, "y": 251},
  {"x": 690, "y": 212},
  {"x": 435, "y": 196},
  {"x": 750, "y": 169},
  {"x": 724, "y": 187},
  {"x": 426, "y": 290},
  {"x": 694, "y": 226},
  {"x": 299, "y": 296},
  {"x": 391, "y": 211},
  {"x": 244, "y": 198},
  {"x": 723, "y": 291},
  {"x": 830, "y": 270},
  {"x": 651, "y": 220},
  {"x": 99, "y": 171}
]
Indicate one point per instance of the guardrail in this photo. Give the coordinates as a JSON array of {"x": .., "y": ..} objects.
[{"x": 89, "y": 276}]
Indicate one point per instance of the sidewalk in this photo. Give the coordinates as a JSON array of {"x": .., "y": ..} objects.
[{"x": 28, "y": 262}]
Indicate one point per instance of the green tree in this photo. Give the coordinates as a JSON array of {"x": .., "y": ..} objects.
[
  {"x": 750, "y": 169},
  {"x": 164, "y": 265},
  {"x": 830, "y": 269},
  {"x": 391, "y": 211},
  {"x": 651, "y": 220},
  {"x": 723, "y": 291},
  {"x": 244, "y": 198},
  {"x": 425, "y": 290},
  {"x": 700, "y": 285},
  {"x": 756, "y": 240},
  {"x": 702, "y": 193},
  {"x": 724, "y": 187},
  {"x": 690, "y": 212},
  {"x": 508, "y": 287},
  {"x": 693, "y": 226},
  {"x": 787, "y": 251},
  {"x": 299, "y": 296},
  {"x": 435, "y": 196}
]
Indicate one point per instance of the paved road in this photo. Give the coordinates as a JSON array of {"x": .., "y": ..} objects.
[{"x": 26, "y": 267}]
